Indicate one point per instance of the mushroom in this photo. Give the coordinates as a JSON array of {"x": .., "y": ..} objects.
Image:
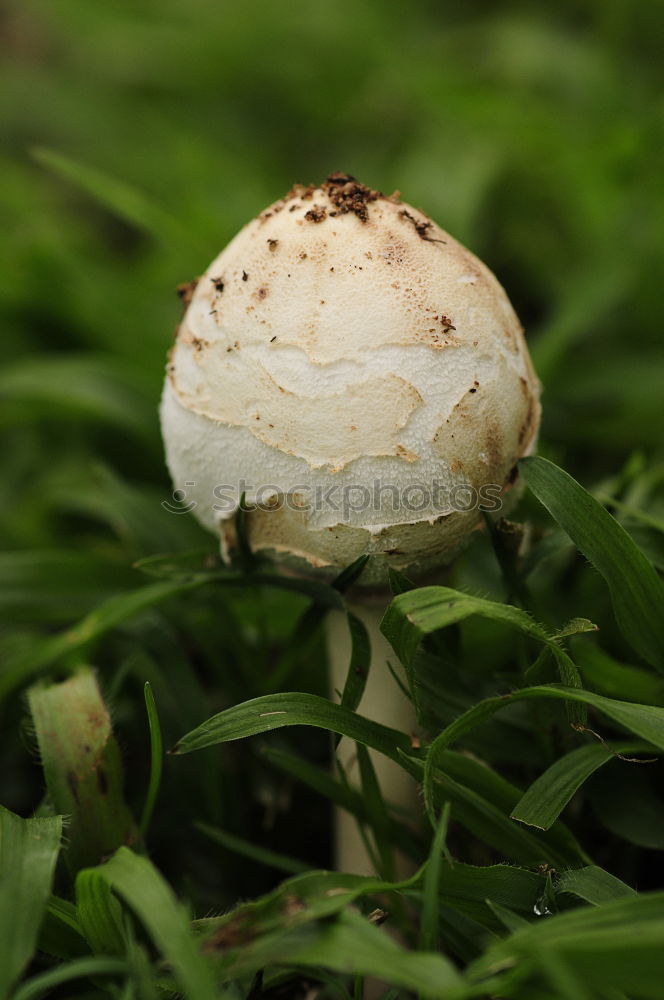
[{"x": 362, "y": 379}]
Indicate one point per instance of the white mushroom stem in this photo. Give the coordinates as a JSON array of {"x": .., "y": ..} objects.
[{"x": 384, "y": 702}]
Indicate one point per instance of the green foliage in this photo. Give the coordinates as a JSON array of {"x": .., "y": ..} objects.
[
  {"x": 637, "y": 592},
  {"x": 82, "y": 767},
  {"x": 28, "y": 852},
  {"x": 137, "y": 140}
]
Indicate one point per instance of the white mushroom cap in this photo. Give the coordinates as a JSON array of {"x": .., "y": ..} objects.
[{"x": 341, "y": 348}]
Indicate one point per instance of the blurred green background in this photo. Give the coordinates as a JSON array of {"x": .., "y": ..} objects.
[{"x": 138, "y": 137}]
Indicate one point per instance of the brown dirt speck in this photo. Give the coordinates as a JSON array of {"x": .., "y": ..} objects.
[
  {"x": 262, "y": 292},
  {"x": 273, "y": 244},
  {"x": 185, "y": 291},
  {"x": 348, "y": 195},
  {"x": 316, "y": 214},
  {"x": 446, "y": 324},
  {"x": 218, "y": 284},
  {"x": 245, "y": 276},
  {"x": 422, "y": 226},
  {"x": 305, "y": 192}
]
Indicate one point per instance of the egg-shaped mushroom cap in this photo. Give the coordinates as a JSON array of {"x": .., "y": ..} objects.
[{"x": 358, "y": 375}]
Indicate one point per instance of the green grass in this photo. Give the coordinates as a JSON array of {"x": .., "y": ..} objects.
[{"x": 137, "y": 139}]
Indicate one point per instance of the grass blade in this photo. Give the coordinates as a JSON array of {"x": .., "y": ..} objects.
[
  {"x": 274, "y": 711},
  {"x": 417, "y": 613},
  {"x": 613, "y": 947},
  {"x": 377, "y": 814},
  {"x": 593, "y": 885},
  {"x": 28, "y": 853},
  {"x": 80, "y": 968},
  {"x": 646, "y": 721},
  {"x": 60, "y": 933},
  {"x": 111, "y": 613},
  {"x": 263, "y": 855},
  {"x": 637, "y": 593},
  {"x": 429, "y": 919},
  {"x": 543, "y": 802},
  {"x": 156, "y": 758},
  {"x": 99, "y": 913},
  {"x": 139, "y": 883},
  {"x": 116, "y": 196},
  {"x": 358, "y": 668}
]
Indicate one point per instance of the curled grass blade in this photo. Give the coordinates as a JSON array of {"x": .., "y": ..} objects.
[
  {"x": 637, "y": 593},
  {"x": 82, "y": 766},
  {"x": 417, "y": 613}
]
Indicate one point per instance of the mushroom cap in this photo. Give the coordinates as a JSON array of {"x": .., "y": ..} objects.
[{"x": 351, "y": 368}]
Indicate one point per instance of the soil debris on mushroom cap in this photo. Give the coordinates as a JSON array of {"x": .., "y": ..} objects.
[
  {"x": 316, "y": 214},
  {"x": 345, "y": 192},
  {"x": 185, "y": 291},
  {"x": 422, "y": 226},
  {"x": 348, "y": 195},
  {"x": 303, "y": 191}
]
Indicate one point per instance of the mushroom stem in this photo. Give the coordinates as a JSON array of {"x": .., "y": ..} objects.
[{"x": 383, "y": 701}]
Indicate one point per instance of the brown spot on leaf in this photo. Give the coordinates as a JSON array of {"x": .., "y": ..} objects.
[
  {"x": 72, "y": 782},
  {"x": 238, "y": 931}
]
